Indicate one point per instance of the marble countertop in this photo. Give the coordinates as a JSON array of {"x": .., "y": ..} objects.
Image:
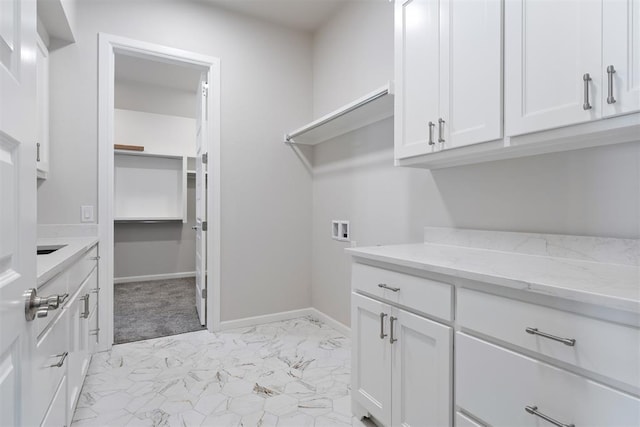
[
  {"x": 605, "y": 284},
  {"x": 51, "y": 264}
]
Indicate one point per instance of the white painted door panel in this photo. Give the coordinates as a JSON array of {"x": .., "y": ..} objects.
[
  {"x": 549, "y": 46},
  {"x": 371, "y": 357},
  {"x": 471, "y": 72},
  {"x": 621, "y": 50},
  {"x": 42, "y": 96},
  {"x": 201, "y": 202},
  {"x": 417, "y": 75},
  {"x": 421, "y": 372},
  {"x": 17, "y": 209}
]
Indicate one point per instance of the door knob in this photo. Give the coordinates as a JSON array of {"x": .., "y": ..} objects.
[{"x": 40, "y": 306}]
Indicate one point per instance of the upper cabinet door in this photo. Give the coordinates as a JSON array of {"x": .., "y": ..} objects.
[
  {"x": 471, "y": 72},
  {"x": 621, "y": 56},
  {"x": 553, "y": 56},
  {"x": 417, "y": 76}
]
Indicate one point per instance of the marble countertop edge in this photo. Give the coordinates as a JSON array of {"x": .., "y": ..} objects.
[
  {"x": 617, "y": 295},
  {"x": 52, "y": 264}
]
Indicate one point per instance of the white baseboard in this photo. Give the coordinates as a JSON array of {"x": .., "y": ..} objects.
[
  {"x": 267, "y": 318},
  {"x": 286, "y": 315},
  {"x": 154, "y": 277},
  {"x": 330, "y": 321}
]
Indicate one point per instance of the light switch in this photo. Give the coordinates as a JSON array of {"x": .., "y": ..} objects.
[{"x": 87, "y": 214}]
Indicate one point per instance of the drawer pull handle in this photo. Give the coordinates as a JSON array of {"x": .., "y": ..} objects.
[
  {"x": 566, "y": 341},
  {"x": 533, "y": 410},
  {"x": 94, "y": 332},
  {"x": 391, "y": 321},
  {"x": 62, "y": 357},
  {"x": 382, "y": 334},
  {"x": 391, "y": 288},
  {"x": 94, "y": 258}
]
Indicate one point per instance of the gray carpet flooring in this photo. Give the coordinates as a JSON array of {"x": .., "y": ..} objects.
[{"x": 154, "y": 309}]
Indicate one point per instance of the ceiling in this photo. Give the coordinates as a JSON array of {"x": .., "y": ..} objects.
[
  {"x": 306, "y": 15},
  {"x": 139, "y": 70}
]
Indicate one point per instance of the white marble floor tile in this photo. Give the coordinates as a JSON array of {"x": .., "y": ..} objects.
[{"x": 289, "y": 373}]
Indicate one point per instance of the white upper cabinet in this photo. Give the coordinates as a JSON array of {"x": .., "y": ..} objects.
[
  {"x": 471, "y": 72},
  {"x": 553, "y": 73},
  {"x": 417, "y": 76},
  {"x": 42, "y": 96},
  {"x": 621, "y": 56},
  {"x": 448, "y": 70}
]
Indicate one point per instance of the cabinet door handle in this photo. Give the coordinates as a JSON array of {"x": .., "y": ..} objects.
[
  {"x": 85, "y": 313},
  {"x": 533, "y": 410},
  {"x": 586, "y": 78},
  {"x": 37, "y": 152},
  {"x": 610, "y": 72},
  {"x": 391, "y": 321},
  {"x": 94, "y": 258},
  {"x": 566, "y": 341},
  {"x": 391, "y": 288},
  {"x": 431, "y": 126},
  {"x": 382, "y": 334},
  {"x": 440, "y": 130},
  {"x": 62, "y": 357}
]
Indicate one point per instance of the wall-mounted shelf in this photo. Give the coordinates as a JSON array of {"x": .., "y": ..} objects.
[
  {"x": 149, "y": 187},
  {"x": 371, "y": 108}
]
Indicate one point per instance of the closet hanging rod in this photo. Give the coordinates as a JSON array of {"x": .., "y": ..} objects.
[{"x": 385, "y": 90}]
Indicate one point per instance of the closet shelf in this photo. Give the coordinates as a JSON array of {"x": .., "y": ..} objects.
[
  {"x": 148, "y": 220},
  {"x": 371, "y": 108}
]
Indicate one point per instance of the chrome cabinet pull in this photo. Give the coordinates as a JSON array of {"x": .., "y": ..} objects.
[
  {"x": 37, "y": 152},
  {"x": 95, "y": 291},
  {"x": 62, "y": 357},
  {"x": 94, "y": 332},
  {"x": 586, "y": 78},
  {"x": 431, "y": 126},
  {"x": 533, "y": 410},
  {"x": 382, "y": 334},
  {"x": 391, "y": 288},
  {"x": 567, "y": 341},
  {"x": 610, "y": 72},
  {"x": 391, "y": 321},
  {"x": 440, "y": 130},
  {"x": 85, "y": 313},
  {"x": 94, "y": 258}
]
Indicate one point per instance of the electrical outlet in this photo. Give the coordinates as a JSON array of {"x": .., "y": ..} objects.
[{"x": 86, "y": 213}]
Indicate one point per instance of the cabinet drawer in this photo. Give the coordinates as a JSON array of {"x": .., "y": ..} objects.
[
  {"x": 79, "y": 271},
  {"x": 602, "y": 347},
  {"x": 496, "y": 385},
  {"x": 51, "y": 350},
  {"x": 416, "y": 293}
]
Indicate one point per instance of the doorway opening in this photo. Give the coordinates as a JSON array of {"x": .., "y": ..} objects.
[{"x": 159, "y": 219}]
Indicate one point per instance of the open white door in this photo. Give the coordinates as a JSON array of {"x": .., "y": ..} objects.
[
  {"x": 201, "y": 201},
  {"x": 18, "y": 399}
]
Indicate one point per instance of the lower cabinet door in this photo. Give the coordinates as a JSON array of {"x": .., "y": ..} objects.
[
  {"x": 371, "y": 357},
  {"x": 79, "y": 341},
  {"x": 421, "y": 371},
  {"x": 56, "y": 415}
]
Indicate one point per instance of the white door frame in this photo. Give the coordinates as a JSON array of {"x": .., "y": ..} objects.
[{"x": 108, "y": 46}]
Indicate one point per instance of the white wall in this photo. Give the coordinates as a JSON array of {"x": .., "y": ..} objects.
[
  {"x": 266, "y": 89},
  {"x": 591, "y": 192},
  {"x": 153, "y": 99}
]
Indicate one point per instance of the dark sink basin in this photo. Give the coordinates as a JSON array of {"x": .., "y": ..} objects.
[{"x": 46, "y": 250}]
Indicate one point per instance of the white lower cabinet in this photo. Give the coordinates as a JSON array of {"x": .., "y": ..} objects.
[
  {"x": 518, "y": 358},
  {"x": 66, "y": 340},
  {"x": 81, "y": 309},
  {"x": 401, "y": 365}
]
